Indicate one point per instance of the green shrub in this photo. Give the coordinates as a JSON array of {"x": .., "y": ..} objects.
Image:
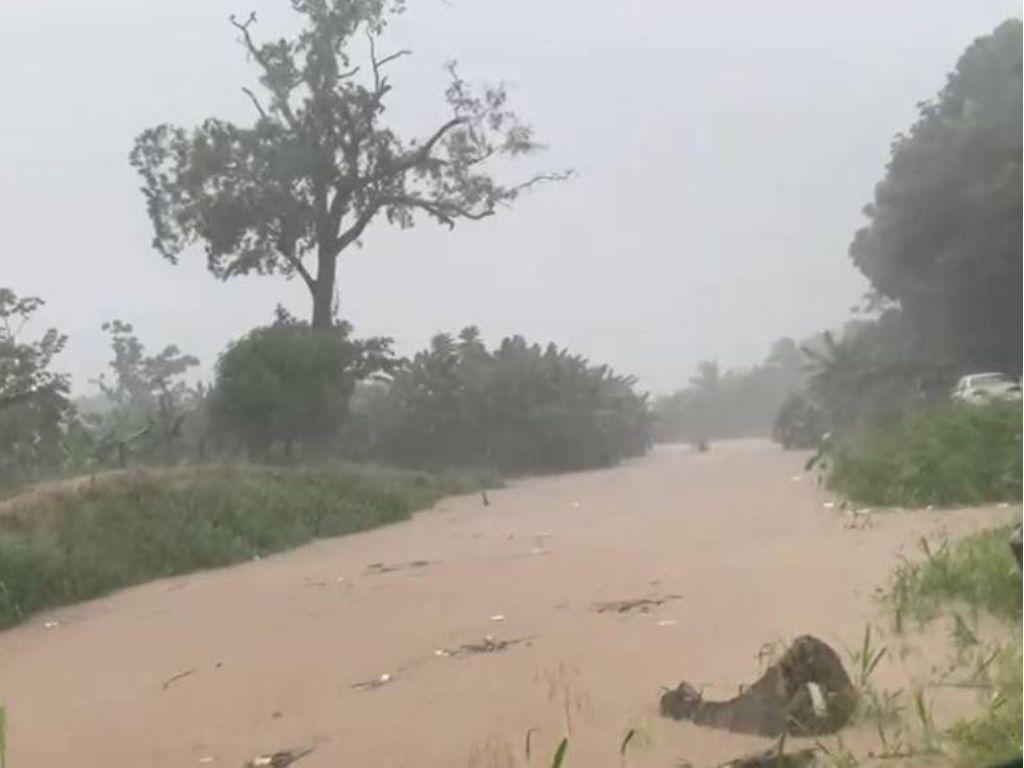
[
  {"x": 518, "y": 408},
  {"x": 948, "y": 454},
  {"x": 979, "y": 571},
  {"x": 82, "y": 544}
]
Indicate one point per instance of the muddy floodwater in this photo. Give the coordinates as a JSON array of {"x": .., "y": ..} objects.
[{"x": 562, "y": 606}]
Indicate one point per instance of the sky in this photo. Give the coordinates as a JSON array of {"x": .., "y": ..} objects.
[{"x": 722, "y": 155}]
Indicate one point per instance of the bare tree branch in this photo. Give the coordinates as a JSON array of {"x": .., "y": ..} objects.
[
  {"x": 259, "y": 107},
  {"x": 380, "y": 86}
]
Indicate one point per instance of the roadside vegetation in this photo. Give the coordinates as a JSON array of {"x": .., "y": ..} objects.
[
  {"x": 64, "y": 546},
  {"x": 976, "y": 575},
  {"x": 944, "y": 454}
]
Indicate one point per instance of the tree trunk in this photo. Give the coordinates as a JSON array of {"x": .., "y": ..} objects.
[{"x": 323, "y": 290}]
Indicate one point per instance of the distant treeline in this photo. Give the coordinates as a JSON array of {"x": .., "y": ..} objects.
[
  {"x": 289, "y": 393},
  {"x": 742, "y": 402}
]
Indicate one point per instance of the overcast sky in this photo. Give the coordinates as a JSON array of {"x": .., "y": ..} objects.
[{"x": 723, "y": 153}]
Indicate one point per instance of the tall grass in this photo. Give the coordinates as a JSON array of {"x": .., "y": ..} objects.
[
  {"x": 978, "y": 571},
  {"x": 68, "y": 547},
  {"x": 946, "y": 454}
]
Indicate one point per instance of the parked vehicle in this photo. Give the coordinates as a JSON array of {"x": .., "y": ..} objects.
[{"x": 979, "y": 388}]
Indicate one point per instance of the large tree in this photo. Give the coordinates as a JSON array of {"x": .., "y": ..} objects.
[
  {"x": 944, "y": 239},
  {"x": 34, "y": 406},
  {"x": 294, "y": 190}
]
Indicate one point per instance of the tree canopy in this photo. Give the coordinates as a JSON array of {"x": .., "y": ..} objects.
[
  {"x": 944, "y": 238},
  {"x": 292, "y": 191},
  {"x": 284, "y": 385},
  {"x": 519, "y": 407},
  {"x": 34, "y": 402}
]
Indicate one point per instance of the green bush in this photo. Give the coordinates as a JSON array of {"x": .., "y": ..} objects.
[
  {"x": 126, "y": 530},
  {"x": 979, "y": 571},
  {"x": 946, "y": 454},
  {"x": 517, "y": 408},
  {"x": 288, "y": 385}
]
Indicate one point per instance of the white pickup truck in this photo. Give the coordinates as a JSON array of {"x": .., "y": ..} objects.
[{"x": 979, "y": 388}]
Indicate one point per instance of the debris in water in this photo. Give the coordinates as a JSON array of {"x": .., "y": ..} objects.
[
  {"x": 51, "y": 624},
  {"x": 667, "y": 623},
  {"x": 538, "y": 551},
  {"x": 806, "y": 692},
  {"x": 575, "y": 505},
  {"x": 377, "y": 568},
  {"x": 278, "y": 759},
  {"x": 179, "y": 676},
  {"x": 488, "y": 645},
  {"x": 796, "y": 478},
  {"x": 377, "y": 682},
  {"x": 206, "y": 759},
  {"x": 498, "y": 617},
  {"x": 641, "y": 604}
]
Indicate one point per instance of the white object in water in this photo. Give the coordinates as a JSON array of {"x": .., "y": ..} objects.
[
  {"x": 817, "y": 699},
  {"x": 498, "y": 617}
]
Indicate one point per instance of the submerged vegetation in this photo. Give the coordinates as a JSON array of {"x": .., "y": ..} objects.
[
  {"x": 977, "y": 574},
  {"x": 70, "y": 545}
]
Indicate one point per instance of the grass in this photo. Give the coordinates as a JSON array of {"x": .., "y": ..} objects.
[
  {"x": 995, "y": 736},
  {"x": 65, "y": 547},
  {"x": 978, "y": 571},
  {"x": 941, "y": 455}
]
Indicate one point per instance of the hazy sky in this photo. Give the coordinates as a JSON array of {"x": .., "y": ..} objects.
[{"x": 723, "y": 152}]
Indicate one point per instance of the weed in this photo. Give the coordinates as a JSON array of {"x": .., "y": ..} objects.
[{"x": 865, "y": 659}]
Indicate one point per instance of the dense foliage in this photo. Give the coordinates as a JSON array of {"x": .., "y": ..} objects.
[
  {"x": 739, "y": 403},
  {"x": 288, "y": 386},
  {"x": 519, "y": 408},
  {"x": 942, "y": 455},
  {"x": 301, "y": 185},
  {"x": 944, "y": 238},
  {"x": 147, "y": 401},
  {"x": 34, "y": 406}
]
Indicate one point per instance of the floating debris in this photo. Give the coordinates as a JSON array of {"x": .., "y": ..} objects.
[
  {"x": 51, "y": 624},
  {"x": 639, "y": 604},
  {"x": 668, "y": 622},
  {"x": 278, "y": 759},
  {"x": 829, "y": 505},
  {"x": 498, "y": 617},
  {"x": 179, "y": 676},
  {"x": 488, "y": 645},
  {"x": 377, "y": 682},
  {"x": 377, "y": 568}
]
